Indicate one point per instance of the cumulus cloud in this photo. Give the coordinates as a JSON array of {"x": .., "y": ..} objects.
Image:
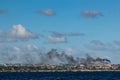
[
  {"x": 19, "y": 54},
  {"x": 47, "y": 12},
  {"x": 16, "y": 33},
  {"x": 2, "y": 11},
  {"x": 57, "y": 37},
  {"x": 91, "y": 14}
]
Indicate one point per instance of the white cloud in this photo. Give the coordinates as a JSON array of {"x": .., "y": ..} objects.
[
  {"x": 30, "y": 47},
  {"x": 73, "y": 51},
  {"x": 70, "y": 51},
  {"x": 16, "y": 33},
  {"x": 56, "y": 39},
  {"x": 32, "y": 54},
  {"x": 91, "y": 14},
  {"x": 47, "y": 12},
  {"x": 19, "y": 54}
]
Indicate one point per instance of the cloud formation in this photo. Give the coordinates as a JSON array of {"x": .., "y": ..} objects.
[
  {"x": 57, "y": 37},
  {"x": 18, "y": 54},
  {"x": 16, "y": 33},
  {"x": 54, "y": 33},
  {"x": 91, "y": 14},
  {"x": 47, "y": 12},
  {"x": 32, "y": 54}
]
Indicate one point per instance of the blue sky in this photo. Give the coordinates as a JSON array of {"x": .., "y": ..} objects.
[{"x": 79, "y": 26}]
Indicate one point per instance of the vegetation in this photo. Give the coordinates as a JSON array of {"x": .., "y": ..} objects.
[{"x": 32, "y": 68}]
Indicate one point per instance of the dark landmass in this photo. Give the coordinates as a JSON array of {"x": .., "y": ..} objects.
[{"x": 58, "y": 68}]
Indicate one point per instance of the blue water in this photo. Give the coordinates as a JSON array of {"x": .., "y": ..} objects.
[{"x": 59, "y": 75}]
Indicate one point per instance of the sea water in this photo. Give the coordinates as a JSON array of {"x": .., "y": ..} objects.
[{"x": 60, "y": 75}]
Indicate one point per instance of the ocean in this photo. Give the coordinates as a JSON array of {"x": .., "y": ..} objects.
[{"x": 59, "y": 75}]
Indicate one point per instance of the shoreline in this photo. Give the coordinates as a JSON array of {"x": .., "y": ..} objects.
[{"x": 67, "y": 71}]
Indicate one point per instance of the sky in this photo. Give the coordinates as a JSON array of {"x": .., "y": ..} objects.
[{"x": 74, "y": 26}]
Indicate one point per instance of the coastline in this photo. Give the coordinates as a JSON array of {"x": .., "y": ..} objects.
[
  {"x": 58, "y": 68},
  {"x": 66, "y": 71}
]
